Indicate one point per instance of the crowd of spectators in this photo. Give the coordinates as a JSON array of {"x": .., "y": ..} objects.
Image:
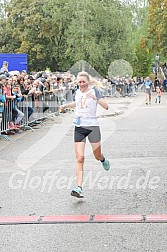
[{"x": 37, "y": 89}]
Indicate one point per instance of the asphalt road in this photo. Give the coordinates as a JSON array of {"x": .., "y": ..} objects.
[{"x": 37, "y": 172}]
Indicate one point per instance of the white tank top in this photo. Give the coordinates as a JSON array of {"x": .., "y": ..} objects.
[{"x": 86, "y": 108}]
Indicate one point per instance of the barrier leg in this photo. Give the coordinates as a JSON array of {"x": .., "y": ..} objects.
[
  {"x": 3, "y": 124},
  {"x": 5, "y": 137}
]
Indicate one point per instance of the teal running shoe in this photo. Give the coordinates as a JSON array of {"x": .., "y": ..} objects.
[
  {"x": 106, "y": 164},
  {"x": 77, "y": 192}
]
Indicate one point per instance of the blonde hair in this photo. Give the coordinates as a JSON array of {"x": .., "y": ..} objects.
[
  {"x": 95, "y": 83},
  {"x": 92, "y": 81},
  {"x": 84, "y": 74}
]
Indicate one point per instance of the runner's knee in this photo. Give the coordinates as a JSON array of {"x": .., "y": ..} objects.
[{"x": 80, "y": 159}]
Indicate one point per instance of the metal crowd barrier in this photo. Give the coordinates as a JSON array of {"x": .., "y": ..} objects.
[
  {"x": 6, "y": 118},
  {"x": 33, "y": 109},
  {"x": 13, "y": 118},
  {"x": 112, "y": 90},
  {"x": 120, "y": 89}
]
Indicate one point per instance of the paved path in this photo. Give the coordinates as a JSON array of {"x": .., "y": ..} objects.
[{"x": 37, "y": 173}]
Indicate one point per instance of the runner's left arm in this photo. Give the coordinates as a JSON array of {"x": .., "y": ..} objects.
[{"x": 100, "y": 99}]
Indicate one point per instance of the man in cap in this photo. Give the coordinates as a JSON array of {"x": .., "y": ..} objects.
[{"x": 4, "y": 68}]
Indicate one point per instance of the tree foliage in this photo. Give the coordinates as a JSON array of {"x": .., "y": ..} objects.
[
  {"x": 158, "y": 26},
  {"x": 58, "y": 33}
]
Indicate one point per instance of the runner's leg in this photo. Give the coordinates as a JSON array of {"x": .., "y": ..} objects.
[{"x": 79, "y": 153}]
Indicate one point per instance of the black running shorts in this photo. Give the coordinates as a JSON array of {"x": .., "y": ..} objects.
[{"x": 92, "y": 132}]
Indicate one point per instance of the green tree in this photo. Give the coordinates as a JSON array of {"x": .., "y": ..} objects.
[
  {"x": 158, "y": 25},
  {"x": 58, "y": 33},
  {"x": 140, "y": 56},
  {"x": 97, "y": 34}
]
